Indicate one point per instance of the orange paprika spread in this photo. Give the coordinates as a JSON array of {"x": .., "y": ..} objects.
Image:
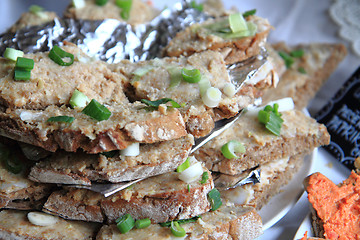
[{"x": 337, "y": 206}]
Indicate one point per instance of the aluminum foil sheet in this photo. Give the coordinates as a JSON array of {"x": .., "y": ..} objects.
[{"x": 109, "y": 40}]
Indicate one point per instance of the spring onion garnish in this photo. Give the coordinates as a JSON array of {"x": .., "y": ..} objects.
[
  {"x": 204, "y": 85},
  {"x": 22, "y": 75},
  {"x": 58, "y": 56},
  {"x": 204, "y": 177},
  {"x": 64, "y": 119},
  {"x": 180, "y": 221},
  {"x": 125, "y": 6},
  {"x": 232, "y": 147},
  {"x": 24, "y": 63},
  {"x": 212, "y": 97},
  {"x": 131, "y": 150},
  {"x": 215, "y": 199},
  {"x": 302, "y": 70},
  {"x": 154, "y": 105},
  {"x": 78, "y": 99},
  {"x": 271, "y": 118},
  {"x": 287, "y": 59},
  {"x": 183, "y": 166},
  {"x": 42, "y": 219},
  {"x": 229, "y": 89},
  {"x": 188, "y": 187},
  {"x": 101, "y": 2},
  {"x": 175, "y": 76},
  {"x": 78, "y": 3},
  {"x": 125, "y": 223},
  {"x": 11, "y": 161},
  {"x": 191, "y": 75},
  {"x": 176, "y": 230},
  {"x": 13, "y": 54},
  {"x": 97, "y": 111},
  {"x": 139, "y": 72},
  {"x": 297, "y": 53},
  {"x": 142, "y": 223},
  {"x": 191, "y": 173},
  {"x": 249, "y": 13},
  {"x": 237, "y": 23},
  {"x": 38, "y": 11},
  {"x": 199, "y": 7}
]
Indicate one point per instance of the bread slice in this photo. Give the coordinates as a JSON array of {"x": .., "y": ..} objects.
[
  {"x": 273, "y": 176},
  {"x": 158, "y": 77},
  {"x": 161, "y": 198},
  {"x": 28, "y": 19},
  {"x": 198, "y": 38},
  {"x": 319, "y": 61},
  {"x": 81, "y": 168},
  {"x": 26, "y": 107},
  {"x": 228, "y": 222},
  {"x": 141, "y": 12},
  {"x": 14, "y": 225},
  {"x": 299, "y": 134}
]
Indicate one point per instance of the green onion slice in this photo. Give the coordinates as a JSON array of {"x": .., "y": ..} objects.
[
  {"x": 181, "y": 221},
  {"x": 215, "y": 199},
  {"x": 297, "y": 53},
  {"x": 176, "y": 230},
  {"x": 125, "y": 223},
  {"x": 237, "y": 23},
  {"x": 22, "y": 75},
  {"x": 24, "y": 63},
  {"x": 78, "y": 3},
  {"x": 78, "y": 99},
  {"x": 204, "y": 178},
  {"x": 199, "y": 7},
  {"x": 271, "y": 118},
  {"x": 13, "y": 164},
  {"x": 97, "y": 111},
  {"x": 232, "y": 147},
  {"x": 124, "y": 14},
  {"x": 302, "y": 70},
  {"x": 142, "y": 223},
  {"x": 188, "y": 187},
  {"x": 287, "y": 59},
  {"x": 13, "y": 54},
  {"x": 101, "y": 2},
  {"x": 175, "y": 76},
  {"x": 58, "y": 56},
  {"x": 183, "y": 166},
  {"x": 191, "y": 75},
  {"x": 65, "y": 119},
  {"x": 35, "y": 8},
  {"x": 125, "y": 5},
  {"x": 249, "y": 13},
  {"x": 154, "y": 105}
]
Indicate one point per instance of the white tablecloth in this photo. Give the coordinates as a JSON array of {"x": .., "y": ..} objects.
[{"x": 295, "y": 21}]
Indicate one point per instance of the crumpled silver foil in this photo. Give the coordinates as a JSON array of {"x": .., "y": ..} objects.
[{"x": 109, "y": 40}]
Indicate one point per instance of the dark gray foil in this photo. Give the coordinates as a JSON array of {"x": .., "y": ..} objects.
[{"x": 109, "y": 40}]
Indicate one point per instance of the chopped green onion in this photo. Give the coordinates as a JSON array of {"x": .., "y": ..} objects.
[
  {"x": 237, "y": 23},
  {"x": 230, "y": 148},
  {"x": 176, "y": 230},
  {"x": 204, "y": 85},
  {"x": 24, "y": 63},
  {"x": 142, "y": 223},
  {"x": 125, "y": 5},
  {"x": 57, "y": 55},
  {"x": 188, "y": 187},
  {"x": 65, "y": 119},
  {"x": 97, "y": 111},
  {"x": 13, "y": 54},
  {"x": 131, "y": 150},
  {"x": 215, "y": 199},
  {"x": 212, "y": 97},
  {"x": 204, "y": 177},
  {"x": 125, "y": 223},
  {"x": 199, "y": 7},
  {"x": 191, "y": 173},
  {"x": 154, "y": 105},
  {"x": 229, "y": 89},
  {"x": 101, "y": 2},
  {"x": 181, "y": 221},
  {"x": 297, "y": 53},
  {"x": 191, "y": 75},
  {"x": 287, "y": 59},
  {"x": 13, "y": 163},
  {"x": 22, "y": 75},
  {"x": 183, "y": 166},
  {"x": 35, "y": 8},
  {"x": 249, "y": 13},
  {"x": 175, "y": 76},
  {"x": 271, "y": 118},
  {"x": 125, "y": 14},
  {"x": 139, "y": 72},
  {"x": 302, "y": 70},
  {"x": 78, "y": 99}
]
